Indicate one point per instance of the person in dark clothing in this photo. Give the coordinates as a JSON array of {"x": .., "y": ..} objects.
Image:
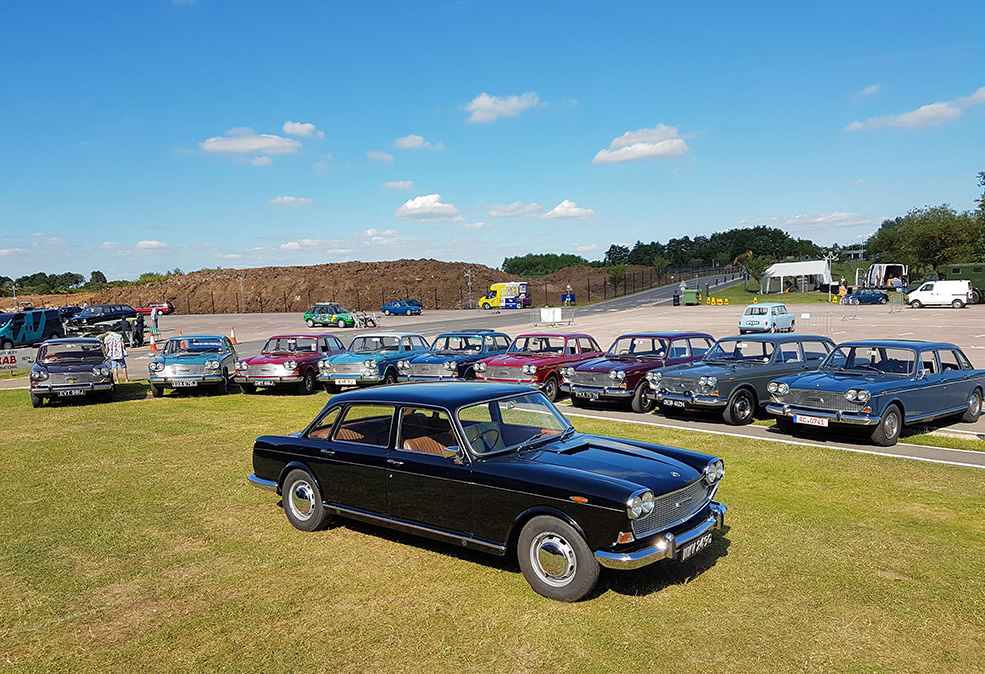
[{"x": 138, "y": 331}]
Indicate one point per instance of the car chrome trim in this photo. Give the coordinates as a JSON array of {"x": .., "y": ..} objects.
[
  {"x": 667, "y": 545},
  {"x": 261, "y": 483},
  {"x": 695, "y": 400}
]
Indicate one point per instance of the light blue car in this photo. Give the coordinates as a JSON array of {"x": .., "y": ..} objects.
[
  {"x": 190, "y": 361},
  {"x": 766, "y": 317},
  {"x": 370, "y": 359}
]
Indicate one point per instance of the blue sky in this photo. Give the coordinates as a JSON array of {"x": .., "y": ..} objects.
[{"x": 150, "y": 135}]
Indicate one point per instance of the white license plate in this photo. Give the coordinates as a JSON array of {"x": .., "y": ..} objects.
[
  {"x": 183, "y": 383},
  {"x": 673, "y": 403},
  {"x": 72, "y": 392},
  {"x": 810, "y": 421},
  {"x": 345, "y": 382},
  {"x": 266, "y": 382},
  {"x": 591, "y": 395},
  {"x": 695, "y": 546}
]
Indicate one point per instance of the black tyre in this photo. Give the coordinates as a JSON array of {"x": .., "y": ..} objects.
[
  {"x": 156, "y": 391},
  {"x": 974, "y": 409},
  {"x": 580, "y": 403},
  {"x": 341, "y": 323},
  {"x": 331, "y": 388},
  {"x": 886, "y": 433},
  {"x": 222, "y": 388},
  {"x": 976, "y": 296},
  {"x": 957, "y": 304},
  {"x": 742, "y": 332},
  {"x": 248, "y": 389},
  {"x": 551, "y": 389},
  {"x": 556, "y": 560},
  {"x": 6, "y": 345},
  {"x": 642, "y": 403},
  {"x": 469, "y": 375},
  {"x": 302, "y": 502},
  {"x": 741, "y": 408},
  {"x": 389, "y": 378},
  {"x": 107, "y": 396},
  {"x": 793, "y": 326},
  {"x": 786, "y": 425},
  {"x": 310, "y": 323},
  {"x": 307, "y": 384},
  {"x": 883, "y": 300},
  {"x": 916, "y": 304},
  {"x": 36, "y": 401},
  {"x": 386, "y": 312},
  {"x": 485, "y": 307}
]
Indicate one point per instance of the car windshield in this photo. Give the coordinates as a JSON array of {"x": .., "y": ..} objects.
[
  {"x": 638, "y": 347},
  {"x": 187, "y": 345},
  {"x": 290, "y": 345},
  {"x": 518, "y": 422},
  {"x": 869, "y": 358},
  {"x": 369, "y": 344},
  {"x": 457, "y": 344},
  {"x": 90, "y": 311},
  {"x": 71, "y": 352},
  {"x": 540, "y": 344},
  {"x": 756, "y": 311},
  {"x": 741, "y": 350}
]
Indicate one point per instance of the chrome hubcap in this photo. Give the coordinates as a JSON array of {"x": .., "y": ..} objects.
[
  {"x": 302, "y": 500},
  {"x": 892, "y": 426},
  {"x": 553, "y": 559},
  {"x": 742, "y": 408},
  {"x": 975, "y": 404}
]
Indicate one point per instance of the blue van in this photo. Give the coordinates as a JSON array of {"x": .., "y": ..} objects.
[{"x": 26, "y": 328}]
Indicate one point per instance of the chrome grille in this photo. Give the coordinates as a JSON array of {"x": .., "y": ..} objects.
[
  {"x": 591, "y": 379},
  {"x": 505, "y": 372},
  {"x": 347, "y": 368},
  {"x": 84, "y": 377},
  {"x": 183, "y": 370},
  {"x": 427, "y": 370},
  {"x": 265, "y": 369},
  {"x": 673, "y": 508},
  {"x": 677, "y": 385},
  {"x": 819, "y": 400}
]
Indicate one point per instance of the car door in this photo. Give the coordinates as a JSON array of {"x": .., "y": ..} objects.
[
  {"x": 349, "y": 455},
  {"x": 958, "y": 382},
  {"x": 928, "y": 395},
  {"x": 422, "y": 485}
]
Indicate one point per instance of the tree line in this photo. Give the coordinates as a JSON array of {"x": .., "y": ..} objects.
[{"x": 41, "y": 283}]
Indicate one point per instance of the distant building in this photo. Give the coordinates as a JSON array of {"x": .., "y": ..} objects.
[{"x": 854, "y": 254}]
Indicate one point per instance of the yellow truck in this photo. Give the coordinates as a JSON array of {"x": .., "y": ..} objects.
[{"x": 511, "y": 295}]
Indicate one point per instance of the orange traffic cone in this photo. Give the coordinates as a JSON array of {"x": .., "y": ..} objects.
[
  {"x": 179, "y": 331},
  {"x": 153, "y": 344},
  {"x": 232, "y": 334}
]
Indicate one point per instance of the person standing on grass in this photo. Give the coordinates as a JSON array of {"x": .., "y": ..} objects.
[{"x": 116, "y": 353}]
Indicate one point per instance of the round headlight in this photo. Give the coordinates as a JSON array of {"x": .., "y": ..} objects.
[
  {"x": 156, "y": 366},
  {"x": 654, "y": 377},
  {"x": 613, "y": 374},
  {"x": 863, "y": 396},
  {"x": 481, "y": 367},
  {"x": 450, "y": 365},
  {"x": 322, "y": 365},
  {"x": 211, "y": 365},
  {"x": 240, "y": 365},
  {"x": 39, "y": 374},
  {"x": 771, "y": 387},
  {"x": 783, "y": 388},
  {"x": 635, "y": 507},
  {"x": 647, "y": 499},
  {"x": 714, "y": 471},
  {"x": 370, "y": 364},
  {"x": 851, "y": 394}
]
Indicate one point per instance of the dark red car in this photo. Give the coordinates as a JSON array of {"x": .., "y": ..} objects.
[
  {"x": 537, "y": 358},
  {"x": 163, "y": 308},
  {"x": 621, "y": 373},
  {"x": 287, "y": 360}
]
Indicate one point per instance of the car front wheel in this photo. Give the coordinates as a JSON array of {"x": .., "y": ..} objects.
[
  {"x": 389, "y": 378},
  {"x": 36, "y": 401},
  {"x": 916, "y": 304},
  {"x": 307, "y": 385},
  {"x": 302, "y": 502},
  {"x": 551, "y": 389},
  {"x": 740, "y": 408},
  {"x": 310, "y": 323},
  {"x": 974, "y": 409},
  {"x": 886, "y": 433},
  {"x": 642, "y": 403},
  {"x": 556, "y": 560},
  {"x": 386, "y": 312},
  {"x": 156, "y": 391}
]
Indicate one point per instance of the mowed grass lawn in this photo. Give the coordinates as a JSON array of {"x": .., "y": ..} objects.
[{"x": 130, "y": 541}]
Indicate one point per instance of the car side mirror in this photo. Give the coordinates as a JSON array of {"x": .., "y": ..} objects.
[
  {"x": 453, "y": 452},
  {"x": 921, "y": 373}
]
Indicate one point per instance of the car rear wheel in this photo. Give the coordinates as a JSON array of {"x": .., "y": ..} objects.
[
  {"x": 307, "y": 385},
  {"x": 916, "y": 304},
  {"x": 642, "y": 403},
  {"x": 793, "y": 326},
  {"x": 974, "y": 409},
  {"x": 886, "y": 433},
  {"x": 556, "y": 560},
  {"x": 551, "y": 389},
  {"x": 156, "y": 391},
  {"x": 303, "y": 503},
  {"x": 883, "y": 299},
  {"x": 310, "y": 323},
  {"x": 957, "y": 304},
  {"x": 36, "y": 401},
  {"x": 740, "y": 408}
]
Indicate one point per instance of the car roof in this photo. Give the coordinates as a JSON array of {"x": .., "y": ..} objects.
[
  {"x": 439, "y": 394},
  {"x": 295, "y": 336},
  {"x": 766, "y": 304},
  {"x": 901, "y": 344},
  {"x": 68, "y": 340},
  {"x": 554, "y": 334},
  {"x": 668, "y": 334},
  {"x": 778, "y": 338},
  {"x": 391, "y": 334},
  {"x": 472, "y": 333},
  {"x": 197, "y": 337}
]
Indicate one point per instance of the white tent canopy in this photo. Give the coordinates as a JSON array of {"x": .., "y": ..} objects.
[{"x": 800, "y": 276}]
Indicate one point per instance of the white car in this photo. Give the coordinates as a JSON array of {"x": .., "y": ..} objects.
[{"x": 942, "y": 293}]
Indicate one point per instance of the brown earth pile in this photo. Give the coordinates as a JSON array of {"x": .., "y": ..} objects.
[{"x": 360, "y": 286}]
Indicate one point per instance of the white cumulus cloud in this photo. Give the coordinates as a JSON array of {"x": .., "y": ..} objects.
[
  {"x": 479, "y": 225},
  {"x": 380, "y": 155},
  {"x": 147, "y": 245},
  {"x": 261, "y": 161},
  {"x": 290, "y": 245},
  {"x": 303, "y": 129},
  {"x": 415, "y": 142},
  {"x": 660, "y": 142},
  {"x": 514, "y": 210},
  {"x": 568, "y": 209},
  {"x": 429, "y": 208},
  {"x": 373, "y": 232},
  {"x": 399, "y": 185},
  {"x": 932, "y": 114},
  {"x": 289, "y": 201},
  {"x": 486, "y": 108},
  {"x": 244, "y": 140}
]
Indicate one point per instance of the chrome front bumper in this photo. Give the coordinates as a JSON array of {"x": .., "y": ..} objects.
[
  {"x": 837, "y": 417},
  {"x": 360, "y": 379},
  {"x": 666, "y": 546},
  {"x": 198, "y": 379},
  {"x": 574, "y": 389},
  {"x": 287, "y": 379},
  {"x": 690, "y": 401},
  {"x": 53, "y": 390}
]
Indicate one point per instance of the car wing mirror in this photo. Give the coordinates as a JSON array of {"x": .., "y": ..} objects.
[
  {"x": 453, "y": 452},
  {"x": 921, "y": 373}
]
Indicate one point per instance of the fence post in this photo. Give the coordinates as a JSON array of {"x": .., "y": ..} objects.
[
  {"x": 212, "y": 294},
  {"x": 547, "y": 301},
  {"x": 357, "y": 300},
  {"x": 436, "y": 298}
]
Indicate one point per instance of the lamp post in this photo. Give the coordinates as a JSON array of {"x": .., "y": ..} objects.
[
  {"x": 830, "y": 257},
  {"x": 469, "y": 273},
  {"x": 241, "y": 278}
]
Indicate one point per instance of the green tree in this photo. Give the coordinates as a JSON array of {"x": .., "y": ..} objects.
[
  {"x": 617, "y": 254},
  {"x": 617, "y": 275},
  {"x": 757, "y": 266},
  {"x": 97, "y": 277}
]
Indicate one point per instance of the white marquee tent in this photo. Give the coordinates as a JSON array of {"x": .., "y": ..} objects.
[{"x": 800, "y": 276}]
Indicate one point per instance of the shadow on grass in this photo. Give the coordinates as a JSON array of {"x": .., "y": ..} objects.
[{"x": 861, "y": 435}]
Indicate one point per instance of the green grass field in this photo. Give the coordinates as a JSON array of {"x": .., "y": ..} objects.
[{"x": 130, "y": 541}]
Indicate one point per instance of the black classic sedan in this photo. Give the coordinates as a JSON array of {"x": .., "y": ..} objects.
[{"x": 495, "y": 467}]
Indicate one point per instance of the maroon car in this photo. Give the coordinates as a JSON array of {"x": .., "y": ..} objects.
[
  {"x": 621, "y": 373},
  {"x": 287, "y": 360},
  {"x": 536, "y": 359}
]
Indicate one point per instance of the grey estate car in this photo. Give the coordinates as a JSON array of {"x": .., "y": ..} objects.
[{"x": 733, "y": 376}]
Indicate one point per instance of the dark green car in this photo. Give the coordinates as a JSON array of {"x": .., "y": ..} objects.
[{"x": 329, "y": 313}]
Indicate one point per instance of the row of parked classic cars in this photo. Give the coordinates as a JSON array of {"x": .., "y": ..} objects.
[{"x": 802, "y": 380}]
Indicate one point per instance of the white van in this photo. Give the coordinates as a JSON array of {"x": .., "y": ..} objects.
[{"x": 955, "y": 293}]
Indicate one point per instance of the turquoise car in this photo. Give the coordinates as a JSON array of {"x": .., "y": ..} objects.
[
  {"x": 26, "y": 328},
  {"x": 370, "y": 359},
  {"x": 193, "y": 361}
]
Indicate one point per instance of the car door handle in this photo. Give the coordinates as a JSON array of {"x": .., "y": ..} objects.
[
  {"x": 395, "y": 462},
  {"x": 327, "y": 452}
]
